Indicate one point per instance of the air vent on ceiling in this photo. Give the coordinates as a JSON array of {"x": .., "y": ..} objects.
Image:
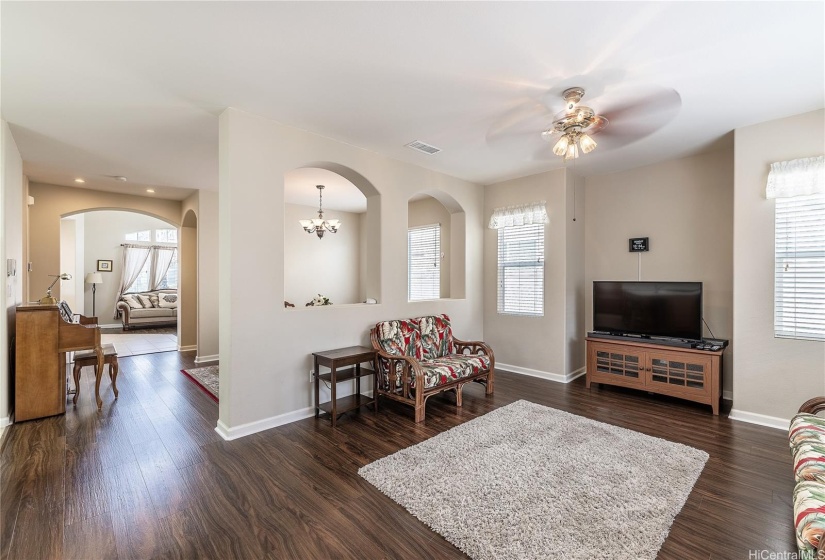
[{"x": 423, "y": 147}]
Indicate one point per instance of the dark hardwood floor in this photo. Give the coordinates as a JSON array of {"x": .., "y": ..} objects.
[{"x": 148, "y": 477}]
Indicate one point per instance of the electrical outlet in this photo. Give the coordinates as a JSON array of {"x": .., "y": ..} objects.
[{"x": 311, "y": 376}]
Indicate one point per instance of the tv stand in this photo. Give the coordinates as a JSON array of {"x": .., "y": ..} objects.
[{"x": 653, "y": 366}]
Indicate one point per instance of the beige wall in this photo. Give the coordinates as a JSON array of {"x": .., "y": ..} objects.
[
  {"x": 266, "y": 349},
  {"x": 771, "y": 376},
  {"x": 329, "y": 266},
  {"x": 52, "y": 202},
  {"x": 535, "y": 345},
  {"x": 575, "y": 220},
  {"x": 427, "y": 212},
  {"x": 12, "y": 209},
  {"x": 685, "y": 207},
  {"x": 207, "y": 276},
  {"x": 188, "y": 287}
]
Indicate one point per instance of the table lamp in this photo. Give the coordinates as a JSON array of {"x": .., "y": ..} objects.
[
  {"x": 48, "y": 299},
  {"x": 94, "y": 278}
]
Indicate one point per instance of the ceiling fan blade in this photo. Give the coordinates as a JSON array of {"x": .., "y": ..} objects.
[
  {"x": 633, "y": 106},
  {"x": 521, "y": 125}
]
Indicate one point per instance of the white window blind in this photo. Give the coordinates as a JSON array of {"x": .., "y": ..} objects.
[
  {"x": 424, "y": 266},
  {"x": 799, "y": 289},
  {"x": 521, "y": 270}
]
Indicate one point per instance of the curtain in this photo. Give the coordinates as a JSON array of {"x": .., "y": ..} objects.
[
  {"x": 161, "y": 259},
  {"x": 523, "y": 214},
  {"x": 134, "y": 257},
  {"x": 798, "y": 177}
]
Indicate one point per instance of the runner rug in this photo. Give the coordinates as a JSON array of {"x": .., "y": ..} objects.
[{"x": 206, "y": 378}]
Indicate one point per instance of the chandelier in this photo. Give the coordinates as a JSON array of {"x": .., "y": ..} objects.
[
  {"x": 575, "y": 124},
  {"x": 319, "y": 225}
]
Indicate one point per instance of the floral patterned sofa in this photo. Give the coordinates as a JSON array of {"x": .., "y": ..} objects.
[
  {"x": 417, "y": 358},
  {"x": 807, "y": 439}
]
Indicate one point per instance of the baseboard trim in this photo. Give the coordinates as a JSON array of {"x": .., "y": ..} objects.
[
  {"x": 760, "y": 419},
  {"x": 202, "y": 359},
  {"x": 557, "y": 377},
  {"x": 6, "y": 421},
  {"x": 250, "y": 428},
  {"x": 187, "y": 348},
  {"x": 112, "y": 326}
]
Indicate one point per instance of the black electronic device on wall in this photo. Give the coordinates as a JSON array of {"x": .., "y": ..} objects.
[{"x": 639, "y": 244}]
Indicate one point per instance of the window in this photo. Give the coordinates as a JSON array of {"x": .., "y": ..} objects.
[
  {"x": 521, "y": 270},
  {"x": 170, "y": 281},
  {"x": 166, "y": 235},
  {"x": 799, "y": 278},
  {"x": 145, "y": 235},
  {"x": 141, "y": 284},
  {"x": 424, "y": 270}
]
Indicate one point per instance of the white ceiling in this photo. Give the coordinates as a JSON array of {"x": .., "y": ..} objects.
[
  {"x": 134, "y": 88},
  {"x": 339, "y": 193}
]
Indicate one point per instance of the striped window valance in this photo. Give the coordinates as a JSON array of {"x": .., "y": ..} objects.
[
  {"x": 798, "y": 177},
  {"x": 520, "y": 215}
]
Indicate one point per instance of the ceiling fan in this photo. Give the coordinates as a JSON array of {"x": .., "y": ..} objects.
[
  {"x": 575, "y": 125},
  {"x": 632, "y": 113}
]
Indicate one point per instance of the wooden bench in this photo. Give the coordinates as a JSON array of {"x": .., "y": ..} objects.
[{"x": 88, "y": 358}]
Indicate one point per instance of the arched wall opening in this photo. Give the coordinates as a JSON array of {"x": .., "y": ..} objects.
[
  {"x": 436, "y": 233},
  {"x": 90, "y": 241},
  {"x": 343, "y": 266}
]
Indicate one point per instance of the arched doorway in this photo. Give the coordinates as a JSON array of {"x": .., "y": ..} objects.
[{"x": 92, "y": 246}]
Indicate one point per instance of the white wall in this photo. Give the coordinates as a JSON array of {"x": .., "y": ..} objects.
[
  {"x": 329, "y": 266},
  {"x": 771, "y": 376},
  {"x": 536, "y": 345},
  {"x": 266, "y": 349},
  {"x": 11, "y": 225},
  {"x": 427, "y": 212},
  {"x": 685, "y": 207},
  {"x": 104, "y": 233}
]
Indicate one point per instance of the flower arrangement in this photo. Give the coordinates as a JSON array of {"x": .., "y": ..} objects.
[{"x": 320, "y": 300}]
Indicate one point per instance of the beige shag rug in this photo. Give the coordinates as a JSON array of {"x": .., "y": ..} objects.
[{"x": 530, "y": 482}]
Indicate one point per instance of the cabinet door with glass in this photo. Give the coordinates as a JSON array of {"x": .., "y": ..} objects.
[
  {"x": 678, "y": 373},
  {"x": 617, "y": 365}
]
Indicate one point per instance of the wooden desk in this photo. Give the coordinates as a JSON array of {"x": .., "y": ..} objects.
[{"x": 335, "y": 360}]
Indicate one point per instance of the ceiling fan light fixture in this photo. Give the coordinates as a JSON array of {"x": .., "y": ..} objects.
[
  {"x": 560, "y": 148},
  {"x": 572, "y": 151},
  {"x": 587, "y": 143}
]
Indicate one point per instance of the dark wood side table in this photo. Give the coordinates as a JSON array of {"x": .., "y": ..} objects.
[{"x": 335, "y": 360}]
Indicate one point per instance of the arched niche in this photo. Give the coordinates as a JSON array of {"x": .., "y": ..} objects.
[
  {"x": 343, "y": 266},
  {"x": 430, "y": 207}
]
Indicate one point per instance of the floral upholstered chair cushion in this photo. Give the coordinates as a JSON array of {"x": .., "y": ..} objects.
[
  {"x": 809, "y": 462},
  {"x": 436, "y": 336},
  {"x": 452, "y": 367},
  {"x": 809, "y": 516},
  {"x": 399, "y": 338},
  {"x": 806, "y": 428}
]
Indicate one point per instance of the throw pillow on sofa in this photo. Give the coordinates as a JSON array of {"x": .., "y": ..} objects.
[
  {"x": 168, "y": 301},
  {"x": 145, "y": 301},
  {"x": 133, "y": 301}
]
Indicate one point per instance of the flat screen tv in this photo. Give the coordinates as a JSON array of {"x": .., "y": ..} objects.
[{"x": 649, "y": 309}]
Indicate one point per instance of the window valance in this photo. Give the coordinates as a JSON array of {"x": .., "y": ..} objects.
[
  {"x": 798, "y": 177},
  {"x": 523, "y": 214}
]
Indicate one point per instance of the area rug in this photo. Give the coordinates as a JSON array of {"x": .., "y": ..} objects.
[
  {"x": 526, "y": 481},
  {"x": 206, "y": 378}
]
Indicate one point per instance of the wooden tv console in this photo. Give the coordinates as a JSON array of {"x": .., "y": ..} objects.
[{"x": 687, "y": 373}]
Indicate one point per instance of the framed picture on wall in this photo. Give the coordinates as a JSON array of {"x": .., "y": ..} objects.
[{"x": 104, "y": 266}]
